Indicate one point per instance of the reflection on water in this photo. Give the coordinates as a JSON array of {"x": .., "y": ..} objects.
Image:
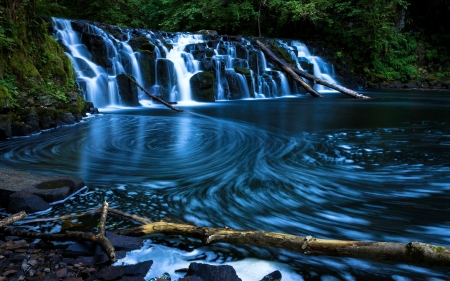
[{"x": 335, "y": 168}]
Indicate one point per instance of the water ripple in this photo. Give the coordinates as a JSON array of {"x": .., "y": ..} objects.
[{"x": 218, "y": 172}]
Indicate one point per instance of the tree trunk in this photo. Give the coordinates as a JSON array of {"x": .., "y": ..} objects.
[
  {"x": 329, "y": 84},
  {"x": 289, "y": 70},
  {"x": 306, "y": 75}
]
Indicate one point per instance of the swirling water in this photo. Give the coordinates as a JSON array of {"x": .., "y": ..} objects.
[{"x": 337, "y": 168}]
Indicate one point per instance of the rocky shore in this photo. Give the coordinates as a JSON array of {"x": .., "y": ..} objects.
[
  {"x": 24, "y": 259},
  {"x": 36, "y": 259}
]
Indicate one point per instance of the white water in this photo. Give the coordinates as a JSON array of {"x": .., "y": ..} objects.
[
  {"x": 321, "y": 69},
  {"x": 184, "y": 71},
  {"x": 166, "y": 259}
]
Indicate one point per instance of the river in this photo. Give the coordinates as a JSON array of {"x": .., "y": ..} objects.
[{"x": 336, "y": 168}]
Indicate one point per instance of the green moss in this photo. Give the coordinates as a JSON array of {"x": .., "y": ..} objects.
[
  {"x": 147, "y": 46},
  {"x": 439, "y": 249},
  {"x": 243, "y": 71},
  {"x": 284, "y": 54},
  {"x": 5, "y": 98},
  {"x": 22, "y": 66}
]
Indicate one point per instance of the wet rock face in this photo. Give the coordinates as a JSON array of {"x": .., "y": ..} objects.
[
  {"x": 98, "y": 48},
  {"x": 127, "y": 90}
]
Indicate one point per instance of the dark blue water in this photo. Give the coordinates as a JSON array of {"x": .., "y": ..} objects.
[{"x": 337, "y": 168}]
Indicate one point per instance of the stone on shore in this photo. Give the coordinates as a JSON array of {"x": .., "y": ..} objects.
[{"x": 25, "y": 186}]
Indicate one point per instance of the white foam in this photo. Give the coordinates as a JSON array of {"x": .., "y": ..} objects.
[{"x": 166, "y": 259}]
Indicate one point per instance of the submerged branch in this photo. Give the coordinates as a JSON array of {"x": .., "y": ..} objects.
[{"x": 155, "y": 97}]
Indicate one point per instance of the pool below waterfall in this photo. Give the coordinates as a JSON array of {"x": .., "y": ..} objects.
[{"x": 335, "y": 168}]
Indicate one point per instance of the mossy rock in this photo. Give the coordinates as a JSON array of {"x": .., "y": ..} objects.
[
  {"x": 23, "y": 67},
  {"x": 5, "y": 99},
  {"x": 202, "y": 87},
  {"x": 149, "y": 47},
  {"x": 284, "y": 54},
  {"x": 243, "y": 71}
]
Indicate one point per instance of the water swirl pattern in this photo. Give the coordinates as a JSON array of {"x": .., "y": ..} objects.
[{"x": 373, "y": 183}]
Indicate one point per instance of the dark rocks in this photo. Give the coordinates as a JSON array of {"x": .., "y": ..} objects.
[
  {"x": 22, "y": 259},
  {"x": 274, "y": 276},
  {"x": 166, "y": 77},
  {"x": 211, "y": 273},
  {"x": 5, "y": 126},
  {"x": 119, "y": 242},
  {"x": 98, "y": 48},
  {"x": 202, "y": 84},
  {"x": 24, "y": 201},
  {"x": 127, "y": 90},
  {"x": 137, "y": 269}
]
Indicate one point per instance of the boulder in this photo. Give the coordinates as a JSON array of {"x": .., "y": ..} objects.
[
  {"x": 166, "y": 77},
  {"x": 24, "y": 201},
  {"x": 209, "y": 272},
  {"x": 127, "y": 90},
  {"x": 48, "y": 188},
  {"x": 202, "y": 87}
]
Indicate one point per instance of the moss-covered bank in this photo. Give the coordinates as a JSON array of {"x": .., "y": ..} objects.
[{"x": 37, "y": 81}]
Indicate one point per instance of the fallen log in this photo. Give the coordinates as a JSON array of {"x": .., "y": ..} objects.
[
  {"x": 411, "y": 253},
  {"x": 153, "y": 96},
  {"x": 334, "y": 86},
  {"x": 289, "y": 70},
  {"x": 308, "y": 76}
]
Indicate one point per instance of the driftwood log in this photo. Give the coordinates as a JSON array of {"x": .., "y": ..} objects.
[
  {"x": 413, "y": 253},
  {"x": 290, "y": 69},
  {"x": 154, "y": 97}
]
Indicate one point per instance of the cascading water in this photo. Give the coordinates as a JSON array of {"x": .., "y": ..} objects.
[
  {"x": 183, "y": 62},
  {"x": 164, "y": 64},
  {"x": 321, "y": 69},
  {"x": 98, "y": 80}
]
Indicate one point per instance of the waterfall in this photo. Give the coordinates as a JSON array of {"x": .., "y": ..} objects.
[
  {"x": 98, "y": 80},
  {"x": 320, "y": 68},
  {"x": 164, "y": 64}
]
